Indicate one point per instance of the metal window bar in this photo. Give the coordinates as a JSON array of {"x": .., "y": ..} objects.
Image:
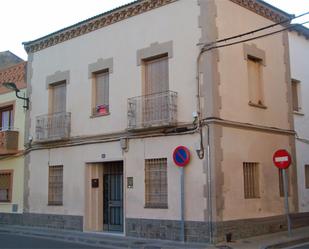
[
  {"x": 251, "y": 180},
  {"x": 55, "y": 185},
  {"x": 156, "y": 183},
  {"x": 53, "y": 127},
  {"x": 153, "y": 110}
]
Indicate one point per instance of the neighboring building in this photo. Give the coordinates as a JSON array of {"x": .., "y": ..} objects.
[
  {"x": 113, "y": 96},
  {"x": 12, "y": 123},
  {"x": 299, "y": 52}
]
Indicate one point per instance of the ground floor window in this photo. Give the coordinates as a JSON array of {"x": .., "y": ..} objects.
[
  {"x": 251, "y": 180},
  {"x": 6, "y": 178},
  {"x": 55, "y": 185},
  {"x": 156, "y": 183}
]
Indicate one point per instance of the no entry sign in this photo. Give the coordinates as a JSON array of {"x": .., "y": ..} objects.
[
  {"x": 181, "y": 156},
  {"x": 282, "y": 159}
]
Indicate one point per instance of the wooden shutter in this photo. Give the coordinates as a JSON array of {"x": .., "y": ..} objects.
[
  {"x": 255, "y": 80},
  {"x": 295, "y": 95},
  {"x": 156, "y": 75},
  {"x": 102, "y": 89},
  {"x": 59, "y": 98},
  {"x": 307, "y": 176}
]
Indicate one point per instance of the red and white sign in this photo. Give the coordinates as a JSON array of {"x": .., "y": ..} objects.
[{"x": 282, "y": 159}]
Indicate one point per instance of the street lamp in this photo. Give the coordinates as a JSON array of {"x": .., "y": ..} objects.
[{"x": 12, "y": 86}]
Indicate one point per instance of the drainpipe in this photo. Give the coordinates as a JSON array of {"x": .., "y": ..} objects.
[{"x": 201, "y": 155}]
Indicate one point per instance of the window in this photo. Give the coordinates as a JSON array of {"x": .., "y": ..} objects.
[
  {"x": 156, "y": 75},
  {"x": 251, "y": 180},
  {"x": 6, "y": 186},
  {"x": 156, "y": 183},
  {"x": 296, "y": 95},
  {"x": 101, "y": 89},
  {"x": 255, "y": 81},
  {"x": 58, "y": 98},
  {"x": 6, "y": 118},
  {"x": 307, "y": 176},
  {"x": 55, "y": 185}
]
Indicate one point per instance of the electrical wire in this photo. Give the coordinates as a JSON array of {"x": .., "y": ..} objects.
[
  {"x": 256, "y": 30},
  {"x": 254, "y": 38}
]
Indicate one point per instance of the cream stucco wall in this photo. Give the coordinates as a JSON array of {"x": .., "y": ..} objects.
[
  {"x": 138, "y": 32},
  {"x": 233, "y": 86},
  {"x": 251, "y": 146},
  {"x": 76, "y": 159},
  {"x": 299, "y": 52},
  {"x": 15, "y": 163}
]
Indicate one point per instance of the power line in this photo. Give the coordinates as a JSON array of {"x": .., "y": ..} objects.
[
  {"x": 253, "y": 38},
  {"x": 255, "y": 31}
]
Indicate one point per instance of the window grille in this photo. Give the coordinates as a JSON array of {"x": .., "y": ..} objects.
[
  {"x": 251, "y": 180},
  {"x": 156, "y": 183},
  {"x": 5, "y": 186},
  {"x": 55, "y": 185}
]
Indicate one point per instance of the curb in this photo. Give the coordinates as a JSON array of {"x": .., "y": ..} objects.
[{"x": 288, "y": 243}]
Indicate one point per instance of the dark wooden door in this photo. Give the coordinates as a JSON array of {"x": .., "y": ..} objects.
[{"x": 113, "y": 196}]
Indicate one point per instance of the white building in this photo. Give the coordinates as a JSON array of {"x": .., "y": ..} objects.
[{"x": 299, "y": 54}]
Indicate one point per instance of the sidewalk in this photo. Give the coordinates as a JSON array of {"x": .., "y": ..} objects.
[
  {"x": 270, "y": 241},
  {"x": 107, "y": 241}
]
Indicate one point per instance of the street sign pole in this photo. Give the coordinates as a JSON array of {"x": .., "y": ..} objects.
[
  {"x": 286, "y": 200},
  {"x": 182, "y": 204}
]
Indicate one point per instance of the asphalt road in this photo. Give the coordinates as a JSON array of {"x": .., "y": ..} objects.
[
  {"x": 23, "y": 242},
  {"x": 303, "y": 246}
]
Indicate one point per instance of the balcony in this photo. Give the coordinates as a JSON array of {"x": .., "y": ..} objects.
[
  {"x": 53, "y": 127},
  {"x": 152, "y": 111},
  {"x": 8, "y": 142}
]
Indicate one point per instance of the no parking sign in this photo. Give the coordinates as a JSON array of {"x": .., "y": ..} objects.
[{"x": 181, "y": 156}]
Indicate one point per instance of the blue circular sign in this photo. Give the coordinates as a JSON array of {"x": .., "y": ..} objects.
[{"x": 181, "y": 156}]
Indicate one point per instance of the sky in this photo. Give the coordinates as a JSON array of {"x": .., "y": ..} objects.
[{"x": 26, "y": 20}]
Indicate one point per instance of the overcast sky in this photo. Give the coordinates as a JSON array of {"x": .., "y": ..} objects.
[{"x": 26, "y": 20}]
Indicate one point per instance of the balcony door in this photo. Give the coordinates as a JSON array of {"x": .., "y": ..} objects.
[
  {"x": 6, "y": 118},
  {"x": 155, "y": 104},
  {"x": 58, "y": 98},
  {"x": 57, "y": 118}
]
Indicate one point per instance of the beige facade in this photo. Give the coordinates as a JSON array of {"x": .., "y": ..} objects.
[{"x": 239, "y": 110}]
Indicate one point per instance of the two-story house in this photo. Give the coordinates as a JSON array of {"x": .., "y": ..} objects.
[
  {"x": 299, "y": 51},
  {"x": 12, "y": 123},
  {"x": 114, "y": 95}
]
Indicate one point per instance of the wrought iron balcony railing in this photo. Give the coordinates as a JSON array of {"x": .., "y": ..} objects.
[
  {"x": 8, "y": 141},
  {"x": 153, "y": 110},
  {"x": 53, "y": 127}
]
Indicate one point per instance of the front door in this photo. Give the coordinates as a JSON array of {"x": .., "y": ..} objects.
[{"x": 113, "y": 196}]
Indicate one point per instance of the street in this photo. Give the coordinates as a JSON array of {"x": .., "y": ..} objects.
[
  {"x": 303, "y": 246},
  {"x": 23, "y": 242}
]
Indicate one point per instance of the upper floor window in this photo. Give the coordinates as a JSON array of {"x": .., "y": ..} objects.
[
  {"x": 307, "y": 176},
  {"x": 58, "y": 97},
  {"x": 101, "y": 93},
  {"x": 6, "y": 118},
  {"x": 255, "y": 80},
  {"x": 6, "y": 186},
  {"x": 296, "y": 95},
  {"x": 156, "y": 75}
]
